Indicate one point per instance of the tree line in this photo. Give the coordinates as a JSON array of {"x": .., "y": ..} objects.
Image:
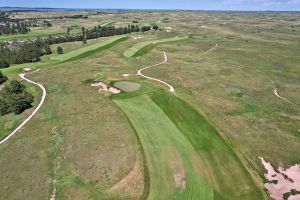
[
  {"x": 10, "y": 26},
  {"x": 13, "y": 96},
  {"x": 31, "y": 51},
  {"x": 25, "y": 53}
]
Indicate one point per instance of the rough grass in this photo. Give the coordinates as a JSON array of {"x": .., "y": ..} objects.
[
  {"x": 143, "y": 47},
  {"x": 107, "y": 23},
  {"x": 170, "y": 128},
  {"x": 86, "y": 144}
]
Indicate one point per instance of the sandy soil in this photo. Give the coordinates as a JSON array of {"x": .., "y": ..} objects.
[
  {"x": 296, "y": 197},
  {"x": 103, "y": 87},
  {"x": 27, "y": 69},
  {"x": 137, "y": 37},
  {"x": 288, "y": 179},
  {"x": 132, "y": 184}
]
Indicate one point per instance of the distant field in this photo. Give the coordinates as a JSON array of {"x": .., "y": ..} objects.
[
  {"x": 28, "y": 36},
  {"x": 107, "y": 23},
  {"x": 142, "y": 47}
]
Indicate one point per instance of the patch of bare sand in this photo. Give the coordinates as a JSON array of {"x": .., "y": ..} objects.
[
  {"x": 27, "y": 69},
  {"x": 177, "y": 168},
  {"x": 103, "y": 87},
  {"x": 132, "y": 184},
  {"x": 287, "y": 179},
  {"x": 294, "y": 197}
]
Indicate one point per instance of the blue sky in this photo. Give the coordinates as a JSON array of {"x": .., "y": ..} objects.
[{"x": 161, "y": 4}]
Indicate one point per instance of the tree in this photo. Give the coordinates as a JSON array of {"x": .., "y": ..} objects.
[
  {"x": 48, "y": 50},
  {"x": 84, "y": 41},
  {"x": 3, "y": 78},
  {"x": 14, "y": 98},
  {"x": 47, "y": 23},
  {"x": 3, "y": 63},
  {"x": 14, "y": 86},
  {"x": 155, "y": 27},
  {"x": 3, "y": 107},
  {"x": 68, "y": 30},
  {"x": 83, "y": 30},
  {"x": 60, "y": 50}
]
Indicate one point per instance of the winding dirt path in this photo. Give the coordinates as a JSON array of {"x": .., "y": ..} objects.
[
  {"x": 139, "y": 73},
  {"x": 276, "y": 92},
  {"x": 32, "y": 114}
]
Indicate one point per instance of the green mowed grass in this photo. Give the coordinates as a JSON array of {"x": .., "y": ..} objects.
[
  {"x": 89, "y": 50},
  {"x": 28, "y": 36},
  {"x": 143, "y": 47},
  {"x": 67, "y": 57},
  {"x": 180, "y": 142}
]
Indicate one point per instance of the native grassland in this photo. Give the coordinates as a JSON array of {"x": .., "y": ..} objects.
[{"x": 223, "y": 115}]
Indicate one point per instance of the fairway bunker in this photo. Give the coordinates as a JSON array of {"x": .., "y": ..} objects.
[
  {"x": 127, "y": 86},
  {"x": 281, "y": 180},
  {"x": 103, "y": 87}
]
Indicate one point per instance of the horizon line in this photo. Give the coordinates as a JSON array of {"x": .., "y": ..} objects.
[{"x": 156, "y": 9}]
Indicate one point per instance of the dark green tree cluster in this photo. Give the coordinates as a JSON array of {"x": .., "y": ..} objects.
[
  {"x": 25, "y": 53},
  {"x": 96, "y": 32},
  {"x": 47, "y": 23},
  {"x": 14, "y": 98},
  {"x": 33, "y": 50},
  {"x": 146, "y": 28},
  {"x": 60, "y": 50},
  {"x": 155, "y": 27},
  {"x": 14, "y": 26},
  {"x": 3, "y": 78},
  {"x": 104, "y": 31}
]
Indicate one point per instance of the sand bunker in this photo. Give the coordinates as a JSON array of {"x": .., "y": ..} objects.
[
  {"x": 103, "y": 87},
  {"x": 287, "y": 180},
  {"x": 136, "y": 37},
  {"x": 127, "y": 86},
  {"x": 27, "y": 69}
]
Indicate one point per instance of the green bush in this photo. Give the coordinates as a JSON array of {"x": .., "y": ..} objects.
[
  {"x": 14, "y": 98},
  {"x": 3, "y": 78}
]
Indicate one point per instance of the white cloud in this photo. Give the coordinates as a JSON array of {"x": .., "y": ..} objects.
[{"x": 262, "y": 4}]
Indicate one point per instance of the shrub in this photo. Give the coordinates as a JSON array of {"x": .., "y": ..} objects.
[
  {"x": 14, "y": 98},
  {"x": 60, "y": 50},
  {"x": 3, "y": 78}
]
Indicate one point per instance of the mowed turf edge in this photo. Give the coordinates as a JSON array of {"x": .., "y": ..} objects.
[
  {"x": 221, "y": 166},
  {"x": 154, "y": 129},
  {"x": 190, "y": 122},
  {"x": 143, "y": 47}
]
